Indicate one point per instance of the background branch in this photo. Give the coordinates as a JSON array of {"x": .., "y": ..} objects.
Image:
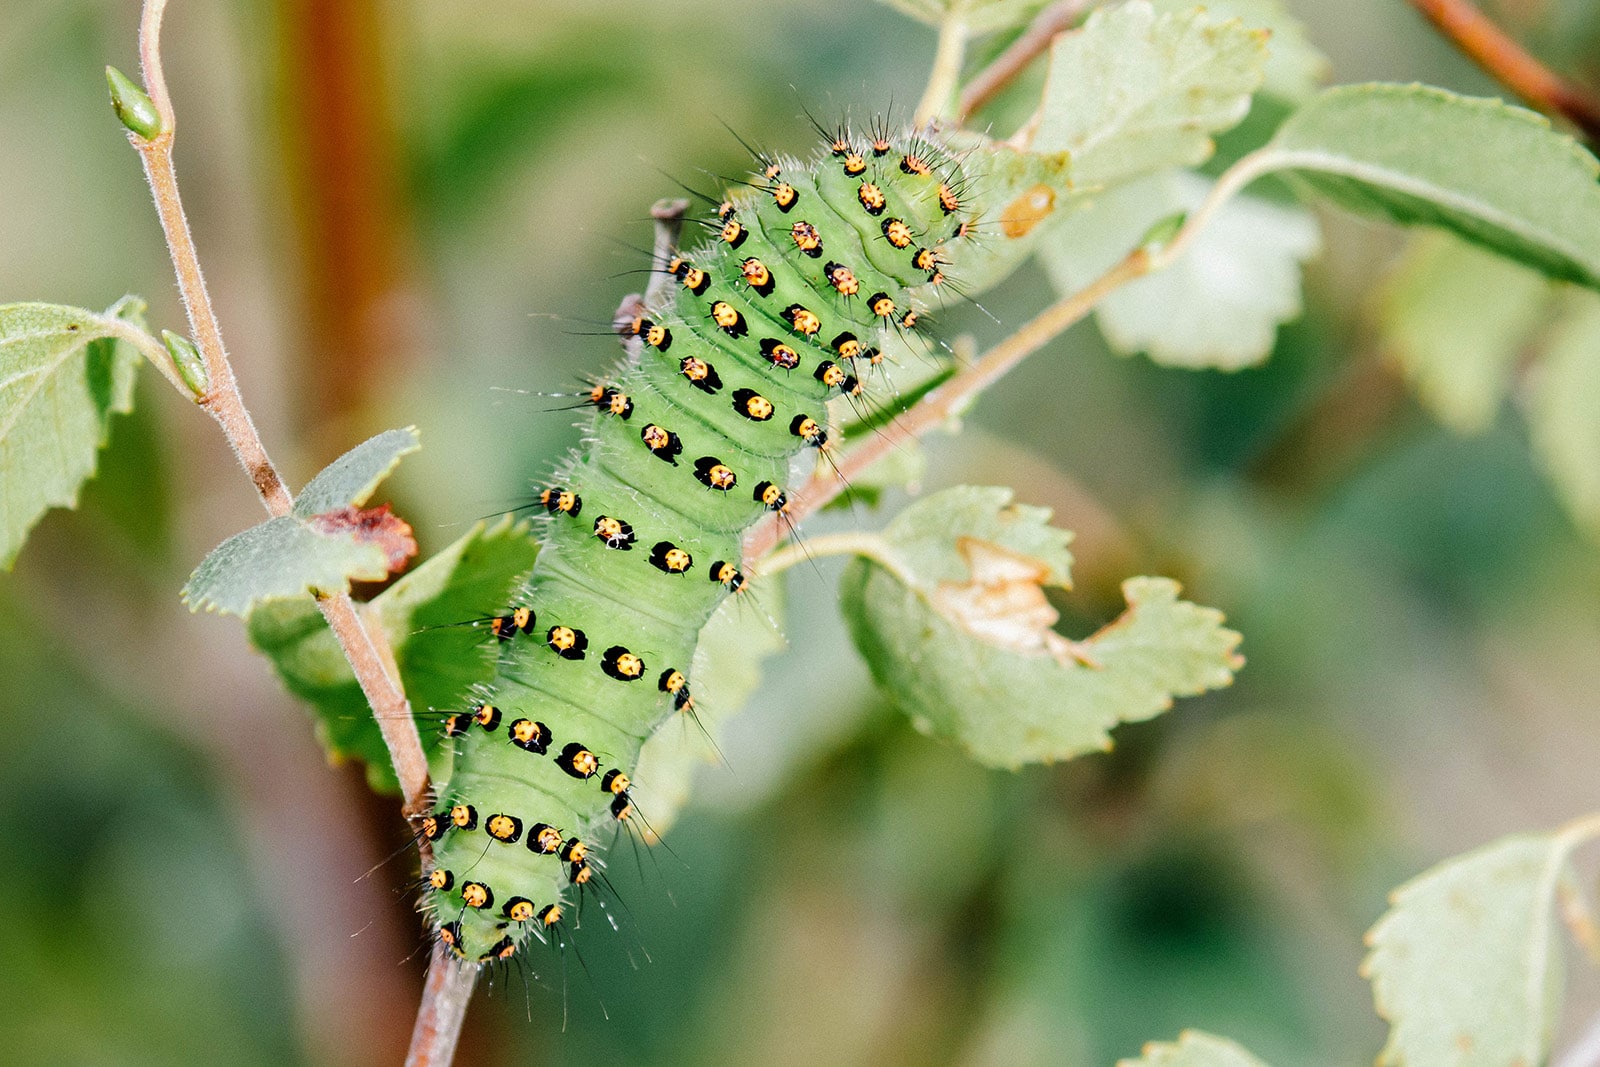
[
  {"x": 1058, "y": 17},
  {"x": 1511, "y": 65}
]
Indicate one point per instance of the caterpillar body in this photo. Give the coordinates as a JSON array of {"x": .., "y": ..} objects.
[{"x": 690, "y": 444}]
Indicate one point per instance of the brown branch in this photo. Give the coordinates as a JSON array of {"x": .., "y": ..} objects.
[
  {"x": 1058, "y": 17},
  {"x": 444, "y": 1006},
  {"x": 1487, "y": 45},
  {"x": 367, "y": 653}
]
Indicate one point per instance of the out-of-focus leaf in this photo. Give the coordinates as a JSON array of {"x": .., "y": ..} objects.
[
  {"x": 1295, "y": 67},
  {"x": 62, "y": 375},
  {"x": 350, "y": 479},
  {"x": 439, "y": 660},
  {"x": 1457, "y": 318},
  {"x": 1495, "y": 174},
  {"x": 980, "y": 16},
  {"x": 322, "y": 546},
  {"x": 1564, "y": 410},
  {"x": 282, "y": 557},
  {"x": 1467, "y": 964},
  {"x": 952, "y": 620},
  {"x": 1220, "y": 304},
  {"x": 1194, "y": 1048},
  {"x": 725, "y": 674},
  {"x": 1135, "y": 92}
]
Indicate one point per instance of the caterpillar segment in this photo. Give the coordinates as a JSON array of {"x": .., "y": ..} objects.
[{"x": 779, "y": 310}]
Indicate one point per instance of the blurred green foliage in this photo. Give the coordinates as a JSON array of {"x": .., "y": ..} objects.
[{"x": 1419, "y": 613}]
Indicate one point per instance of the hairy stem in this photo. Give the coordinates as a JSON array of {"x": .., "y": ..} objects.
[
  {"x": 1057, "y": 18},
  {"x": 1486, "y": 44},
  {"x": 955, "y": 395},
  {"x": 367, "y": 656},
  {"x": 444, "y": 1006}
]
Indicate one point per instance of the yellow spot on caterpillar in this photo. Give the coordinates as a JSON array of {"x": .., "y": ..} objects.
[
  {"x": 784, "y": 196},
  {"x": 871, "y": 197},
  {"x": 441, "y": 879},
  {"x": 519, "y": 909},
  {"x": 544, "y": 839},
  {"x": 507, "y": 828},
  {"x": 464, "y": 816},
  {"x": 948, "y": 201},
  {"x": 843, "y": 279},
  {"x": 476, "y": 895},
  {"x": 806, "y": 238},
  {"x": 550, "y": 915},
  {"x": 898, "y": 233},
  {"x": 802, "y": 319}
]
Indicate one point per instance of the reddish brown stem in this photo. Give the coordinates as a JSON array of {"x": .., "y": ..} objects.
[
  {"x": 444, "y": 1006},
  {"x": 1511, "y": 65},
  {"x": 1056, "y": 18}
]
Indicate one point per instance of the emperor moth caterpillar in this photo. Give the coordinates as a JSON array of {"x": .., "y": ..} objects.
[{"x": 689, "y": 445}]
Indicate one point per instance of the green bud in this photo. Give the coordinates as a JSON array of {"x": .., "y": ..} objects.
[
  {"x": 186, "y": 357},
  {"x": 1163, "y": 230},
  {"x": 136, "y": 110}
]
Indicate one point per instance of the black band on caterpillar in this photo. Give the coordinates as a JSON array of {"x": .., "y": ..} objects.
[{"x": 776, "y": 313}]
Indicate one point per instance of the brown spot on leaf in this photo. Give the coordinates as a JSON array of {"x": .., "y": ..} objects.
[
  {"x": 1004, "y": 604},
  {"x": 1028, "y": 210},
  {"x": 379, "y": 526}
]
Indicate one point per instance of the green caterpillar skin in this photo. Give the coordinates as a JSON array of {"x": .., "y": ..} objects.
[{"x": 641, "y": 612}]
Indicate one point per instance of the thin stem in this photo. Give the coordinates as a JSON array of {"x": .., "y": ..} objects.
[
  {"x": 1487, "y": 45},
  {"x": 956, "y": 394},
  {"x": 946, "y": 74},
  {"x": 845, "y": 543},
  {"x": 369, "y": 660},
  {"x": 151, "y": 349},
  {"x": 445, "y": 997},
  {"x": 1057, "y": 18}
]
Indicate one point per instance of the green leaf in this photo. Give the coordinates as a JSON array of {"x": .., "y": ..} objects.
[
  {"x": 1135, "y": 92},
  {"x": 351, "y": 479},
  {"x": 725, "y": 675},
  {"x": 439, "y": 661},
  {"x": 63, "y": 372},
  {"x": 1457, "y": 318},
  {"x": 1495, "y": 174},
  {"x": 1564, "y": 410},
  {"x": 282, "y": 557},
  {"x": 324, "y": 544},
  {"x": 979, "y": 16},
  {"x": 1220, "y": 303},
  {"x": 1467, "y": 963},
  {"x": 951, "y": 617},
  {"x": 1194, "y": 1048},
  {"x": 1295, "y": 67}
]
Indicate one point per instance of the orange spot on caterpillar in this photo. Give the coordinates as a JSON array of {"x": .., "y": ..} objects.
[
  {"x": 752, "y": 405},
  {"x": 948, "y": 201},
  {"x": 881, "y": 305},
  {"x": 578, "y": 762},
  {"x": 729, "y": 319},
  {"x": 441, "y": 879},
  {"x": 806, "y": 428},
  {"x": 518, "y": 909},
  {"x": 487, "y": 715},
  {"x": 501, "y": 827},
  {"x": 714, "y": 473},
  {"x": 803, "y": 319},
  {"x": 1019, "y": 217},
  {"x": 842, "y": 278},
  {"x": 668, "y": 557},
  {"x": 702, "y": 375},
  {"x": 476, "y": 895},
  {"x": 727, "y": 575},
  {"x": 771, "y": 497},
  {"x": 574, "y": 851},
  {"x": 544, "y": 839},
  {"x": 530, "y": 735},
  {"x": 621, "y": 664},
  {"x": 784, "y": 195},
  {"x": 614, "y": 533},
  {"x": 559, "y": 501},
  {"x": 779, "y": 354},
  {"x": 806, "y": 238},
  {"x": 615, "y": 782},
  {"x": 871, "y": 198},
  {"x": 566, "y": 642},
  {"x": 664, "y": 443},
  {"x": 464, "y": 817},
  {"x": 757, "y": 275},
  {"x": 898, "y": 233}
]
